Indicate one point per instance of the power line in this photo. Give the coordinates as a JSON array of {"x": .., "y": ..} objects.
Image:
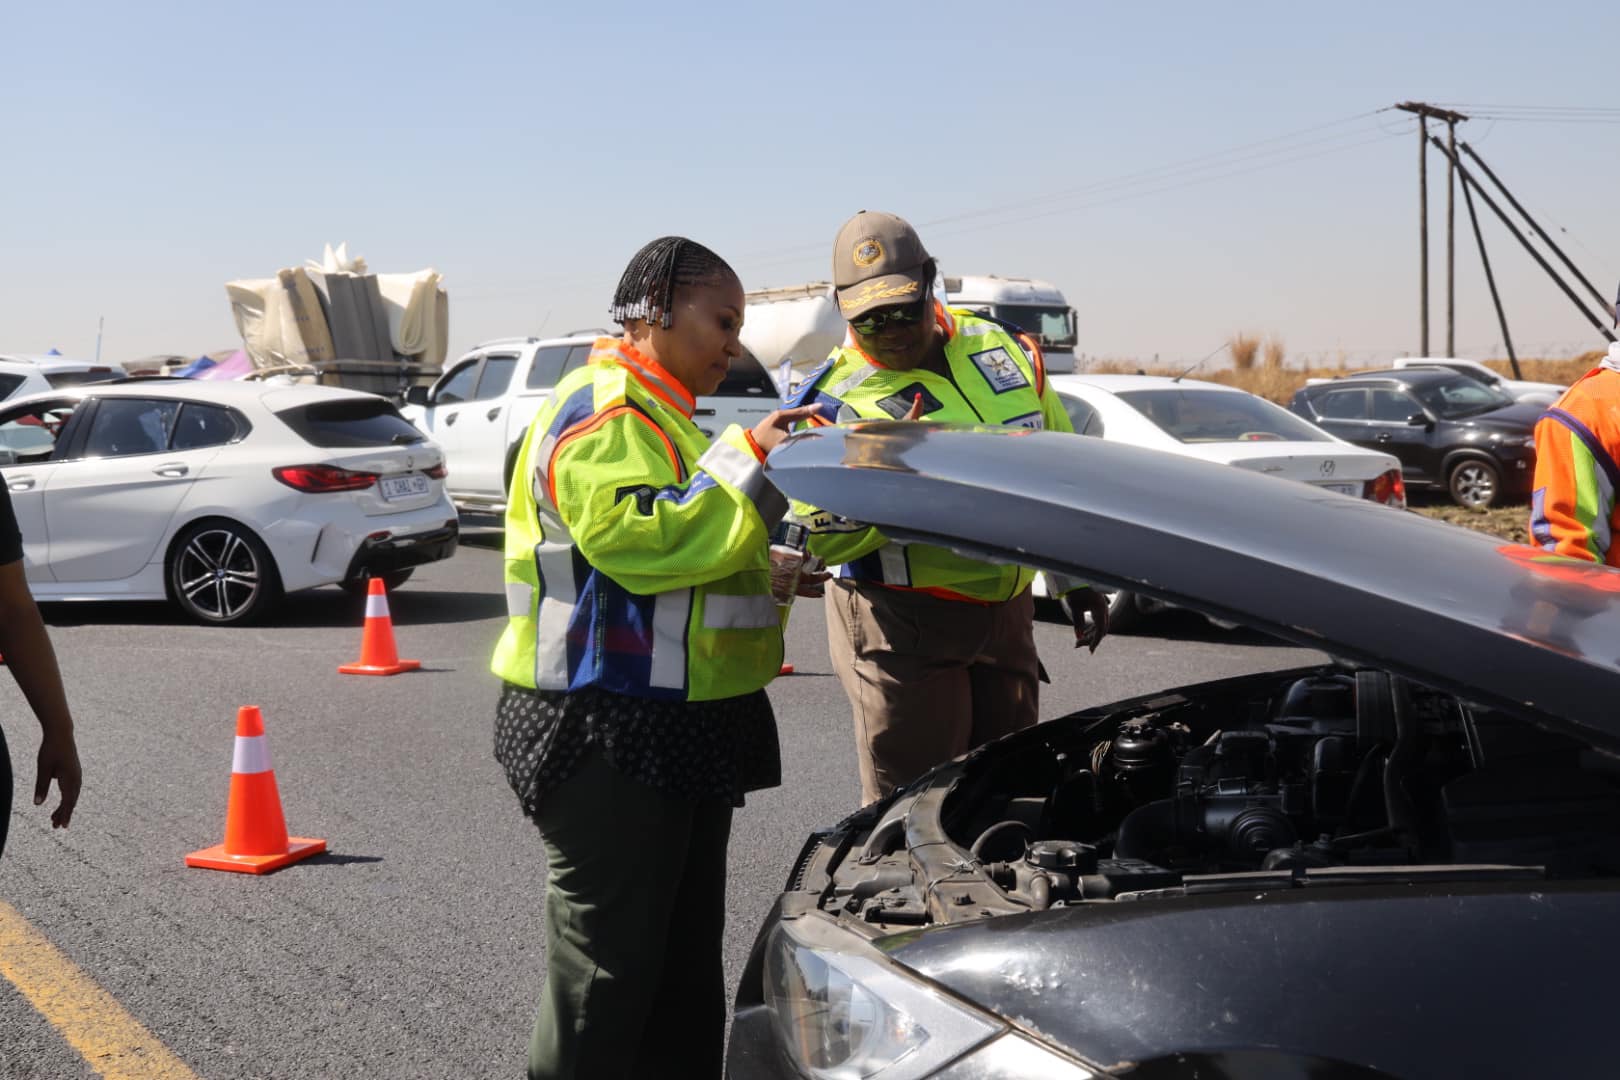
[
  {"x": 1210, "y": 160},
  {"x": 953, "y": 224}
]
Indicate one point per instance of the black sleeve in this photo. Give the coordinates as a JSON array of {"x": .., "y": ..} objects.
[{"x": 10, "y": 537}]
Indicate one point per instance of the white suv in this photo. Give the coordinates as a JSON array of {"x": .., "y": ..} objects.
[{"x": 480, "y": 409}]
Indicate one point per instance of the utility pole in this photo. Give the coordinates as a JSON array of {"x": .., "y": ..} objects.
[
  {"x": 1423, "y": 235},
  {"x": 1451, "y": 247},
  {"x": 1545, "y": 239},
  {"x": 1425, "y": 113},
  {"x": 1468, "y": 179},
  {"x": 1490, "y": 281}
]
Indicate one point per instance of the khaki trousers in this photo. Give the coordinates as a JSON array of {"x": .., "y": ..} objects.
[{"x": 929, "y": 679}]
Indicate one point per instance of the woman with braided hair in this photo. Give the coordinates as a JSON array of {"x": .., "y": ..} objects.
[{"x": 633, "y": 716}]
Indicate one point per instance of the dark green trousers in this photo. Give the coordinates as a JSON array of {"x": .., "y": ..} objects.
[{"x": 635, "y": 914}]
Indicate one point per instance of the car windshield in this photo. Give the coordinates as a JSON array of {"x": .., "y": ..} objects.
[
  {"x": 1050, "y": 325},
  {"x": 1193, "y": 415},
  {"x": 1459, "y": 396}
]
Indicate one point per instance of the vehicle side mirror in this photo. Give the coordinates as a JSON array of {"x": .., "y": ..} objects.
[
  {"x": 416, "y": 395},
  {"x": 1420, "y": 420}
]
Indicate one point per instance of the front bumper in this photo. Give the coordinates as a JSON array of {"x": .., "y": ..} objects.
[{"x": 379, "y": 554}]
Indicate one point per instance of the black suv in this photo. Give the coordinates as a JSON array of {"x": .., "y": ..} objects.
[{"x": 1449, "y": 431}]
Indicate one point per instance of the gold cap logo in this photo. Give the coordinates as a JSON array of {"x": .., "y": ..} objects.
[{"x": 868, "y": 251}]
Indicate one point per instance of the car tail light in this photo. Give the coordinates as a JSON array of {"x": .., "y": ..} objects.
[
  {"x": 323, "y": 478},
  {"x": 437, "y": 472},
  {"x": 1388, "y": 488}
]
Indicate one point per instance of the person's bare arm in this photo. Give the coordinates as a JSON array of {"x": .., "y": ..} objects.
[{"x": 32, "y": 662}]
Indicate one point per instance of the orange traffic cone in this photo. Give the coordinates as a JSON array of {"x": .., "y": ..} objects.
[
  {"x": 377, "y": 655},
  {"x": 256, "y": 840}
]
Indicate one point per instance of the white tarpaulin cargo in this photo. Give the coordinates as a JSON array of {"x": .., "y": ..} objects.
[
  {"x": 281, "y": 320},
  {"x": 386, "y": 326}
]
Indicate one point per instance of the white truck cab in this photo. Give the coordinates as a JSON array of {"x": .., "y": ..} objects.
[
  {"x": 480, "y": 409},
  {"x": 792, "y": 329},
  {"x": 1036, "y": 307}
]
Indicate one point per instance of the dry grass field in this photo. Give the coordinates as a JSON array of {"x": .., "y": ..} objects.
[{"x": 1510, "y": 522}]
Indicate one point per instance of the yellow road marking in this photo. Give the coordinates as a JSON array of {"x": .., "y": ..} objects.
[{"x": 111, "y": 1041}]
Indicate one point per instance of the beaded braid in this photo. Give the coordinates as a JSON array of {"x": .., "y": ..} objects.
[{"x": 647, "y": 289}]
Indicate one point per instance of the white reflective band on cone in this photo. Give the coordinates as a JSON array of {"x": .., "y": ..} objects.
[
  {"x": 252, "y": 755},
  {"x": 377, "y": 607}
]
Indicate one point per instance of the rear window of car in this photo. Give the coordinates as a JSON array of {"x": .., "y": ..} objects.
[
  {"x": 1203, "y": 416},
  {"x": 9, "y": 384},
  {"x": 350, "y": 423}
]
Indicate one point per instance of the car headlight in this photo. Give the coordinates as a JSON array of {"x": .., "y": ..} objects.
[{"x": 844, "y": 1012}]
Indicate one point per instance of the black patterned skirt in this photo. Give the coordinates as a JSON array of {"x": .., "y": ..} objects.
[{"x": 710, "y": 752}]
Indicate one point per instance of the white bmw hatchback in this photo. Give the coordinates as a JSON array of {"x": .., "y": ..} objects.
[{"x": 219, "y": 496}]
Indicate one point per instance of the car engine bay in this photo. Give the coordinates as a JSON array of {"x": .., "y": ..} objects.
[{"x": 1316, "y": 777}]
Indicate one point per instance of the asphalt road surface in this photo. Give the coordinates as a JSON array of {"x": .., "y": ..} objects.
[{"x": 414, "y": 948}]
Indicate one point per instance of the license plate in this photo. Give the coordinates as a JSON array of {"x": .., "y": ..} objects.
[
  {"x": 1344, "y": 489},
  {"x": 399, "y": 487}
]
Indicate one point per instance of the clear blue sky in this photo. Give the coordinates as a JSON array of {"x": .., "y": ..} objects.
[{"x": 155, "y": 151}]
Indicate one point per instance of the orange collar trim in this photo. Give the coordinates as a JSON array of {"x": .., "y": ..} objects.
[{"x": 647, "y": 371}]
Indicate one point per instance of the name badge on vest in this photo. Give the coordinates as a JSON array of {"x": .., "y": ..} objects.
[
  {"x": 1034, "y": 421},
  {"x": 999, "y": 369}
]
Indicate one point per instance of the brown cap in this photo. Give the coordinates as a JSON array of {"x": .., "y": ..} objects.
[{"x": 878, "y": 261}]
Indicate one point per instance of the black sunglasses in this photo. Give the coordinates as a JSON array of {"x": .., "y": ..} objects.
[{"x": 900, "y": 315}]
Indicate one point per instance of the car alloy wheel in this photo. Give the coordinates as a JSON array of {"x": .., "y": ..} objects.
[
  {"x": 1474, "y": 484},
  {"x": 221, "y": 574}
]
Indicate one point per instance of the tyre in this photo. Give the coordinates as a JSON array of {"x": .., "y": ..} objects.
[
  {"x": 1474, "y": 483},
  {"x": 391, "y": 580},
  {"x": 221, "y": 574}
]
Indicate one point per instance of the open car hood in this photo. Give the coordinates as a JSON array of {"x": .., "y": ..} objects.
[{"x": 1502, "y": 625}]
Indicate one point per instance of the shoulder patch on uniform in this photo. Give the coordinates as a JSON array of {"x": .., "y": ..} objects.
[
  {"x": 800, "y": 394},
  {"x": 999, "y": 369},
  {"x": 899, "y": 403}
]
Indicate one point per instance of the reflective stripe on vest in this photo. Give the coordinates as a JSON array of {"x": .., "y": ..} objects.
[
  {"x": 671, "y": 612},
  {"x": 741, "y": 470},
  {"x": 556, "y": 609},
  {"x": 739, "y": 612},
  {"x": 892, "y": 557}
]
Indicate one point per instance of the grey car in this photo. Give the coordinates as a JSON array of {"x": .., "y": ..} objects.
[{"x": 1404, "y": 862}]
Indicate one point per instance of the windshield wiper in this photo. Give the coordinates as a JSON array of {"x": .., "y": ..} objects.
[{"x": 402, "y": 439}]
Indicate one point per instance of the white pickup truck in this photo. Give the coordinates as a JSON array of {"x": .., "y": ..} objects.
[{"x": 481, "y": 407}]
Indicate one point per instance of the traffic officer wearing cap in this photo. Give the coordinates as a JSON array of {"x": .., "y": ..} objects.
[
  {"x": 1572, "y": 504},
  {"x": 935, "y": 651}
]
